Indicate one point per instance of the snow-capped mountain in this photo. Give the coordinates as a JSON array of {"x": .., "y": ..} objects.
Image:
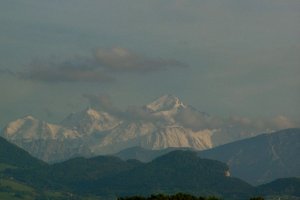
[
  {"x": 165, "y": 103},
  {"x": 90, "y": 120},
  {"x": 166, "y": 107},
  {"x": 147, "y": 135},
  {"x": 30, "y": 128},
  {"x": 46, "y": 141},
  {"x": 156, "y": 131},
  {"x": 165, "y": 122}
]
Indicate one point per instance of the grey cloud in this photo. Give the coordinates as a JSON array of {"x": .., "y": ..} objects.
[
  {"x": 192, "y": 118},
  {"x": 122, "y": 60},
  {"x": 275, "y": 123},
  {"x": 196, "y": 120},
  {"x": 99, "y": 67},
  {"x": 76, "y": 70},
  {"x": 102, "y": 102},
  {"x": 199, "y": 121},
  {"x": 140, "y": 113},
  {"x": 282, "y": 122}
]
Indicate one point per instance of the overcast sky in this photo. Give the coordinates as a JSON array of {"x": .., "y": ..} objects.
[{"x": 225, "y": 57}]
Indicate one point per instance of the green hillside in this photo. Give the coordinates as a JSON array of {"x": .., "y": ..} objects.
[
  {"x": 12, "y": 155},
  {"x": 108, "y": 177},
  {"x": 283, "y": 186}
]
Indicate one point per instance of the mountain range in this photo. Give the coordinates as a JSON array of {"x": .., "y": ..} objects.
[
  {"x": 262, "y": 158},
  {"x": 165, "y": 122},
  {"x": 257, "y": 160},
  {"x": 106, "y": 177}
]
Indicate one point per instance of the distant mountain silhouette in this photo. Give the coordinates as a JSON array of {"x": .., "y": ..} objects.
[
  {"x": 262, "y": 158},
  {"x": 145, "y": 155},
  {"x": 284, "y": 186},
  {"x": 257, "y": 160}
]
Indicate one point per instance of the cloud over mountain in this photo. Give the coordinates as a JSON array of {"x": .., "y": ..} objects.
[
  {"x": 101, "y": 66},
  {"x": 189, "y": 117},
  {"x": 64, "y": 72},
  {"x": 101, "y": 102},
  {"x": 196, "y": 120},
  {"x": 122, "y": 60}
]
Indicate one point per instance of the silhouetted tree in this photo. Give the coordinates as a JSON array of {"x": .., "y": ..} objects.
[
  {"x": 178, "y": 196},
  {"x": 257, "y": 198}
]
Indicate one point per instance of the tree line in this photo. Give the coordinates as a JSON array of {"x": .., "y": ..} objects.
[{"x": 178, "y": 196}]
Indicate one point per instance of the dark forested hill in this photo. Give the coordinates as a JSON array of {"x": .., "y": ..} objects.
[
  {"x": 12, "y": 155},
  {"x": 75, "y": 173},
  {"x": 284, "y": 186},
  {"x": 176, "y": 171}
]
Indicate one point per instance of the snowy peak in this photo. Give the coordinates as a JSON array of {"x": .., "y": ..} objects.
[
  {"x": 30, "y": 128},
  {"x": 90, "y": 120},
  {"x": 166, "y": 108},
  {"x": 166, "y": 122},
  {"x": 27, "y": 122},
  {"x": 164, "y": 103}
]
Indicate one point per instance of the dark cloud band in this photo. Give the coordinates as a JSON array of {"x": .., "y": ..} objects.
[{"x": 100, "y": 67}]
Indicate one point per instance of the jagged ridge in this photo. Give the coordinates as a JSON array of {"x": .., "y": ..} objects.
[{"x": 93, "y": 132}]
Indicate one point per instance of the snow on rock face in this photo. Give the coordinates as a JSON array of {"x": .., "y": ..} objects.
[
  {"x": 124, "y": 136},
  {"x": 176, "y": 136},
  {"x": 43, "y": 140},
  {"x": 93, "y": 132},
  {"x": 166, "y": 107},
  {"x": 165, "y": 103},
  {"x": 29, "y": 128},
  {"x": 88, "y": 121},
  {"x": 148, "y": 135}
]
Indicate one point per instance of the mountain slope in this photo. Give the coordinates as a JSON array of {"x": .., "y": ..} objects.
[
  {"x": 153, "y": 126},
  {"x": 90, "y": 120},
  {"x": 30, "y": 128},
  {"x": 14, "y": 156},
  {"x": 284, "y": 186},
  {"x": 262, "y": 158},
  {"x": 43, "y": 140},
  {"x": 149, "y": 135}
]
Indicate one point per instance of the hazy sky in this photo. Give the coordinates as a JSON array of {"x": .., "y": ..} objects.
[{"x": 226, "y": 57}]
